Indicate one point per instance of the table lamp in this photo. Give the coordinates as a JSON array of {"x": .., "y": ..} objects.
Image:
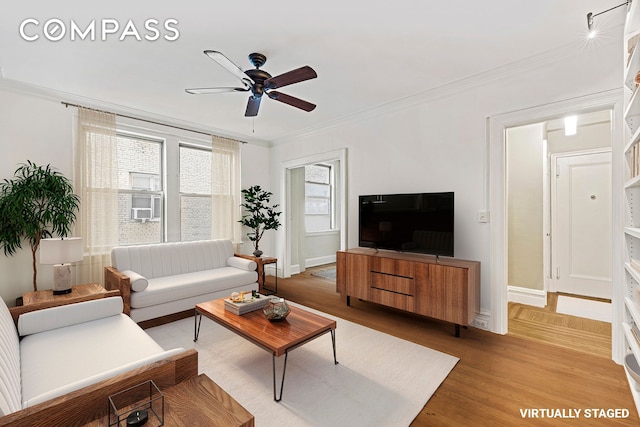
[{"x": 61, "y": 252}]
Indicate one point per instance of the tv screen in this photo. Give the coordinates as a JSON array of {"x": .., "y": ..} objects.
[{"x": 421, "y": 222}]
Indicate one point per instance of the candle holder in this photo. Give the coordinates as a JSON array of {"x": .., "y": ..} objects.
[{"x": 139, "y": 405}]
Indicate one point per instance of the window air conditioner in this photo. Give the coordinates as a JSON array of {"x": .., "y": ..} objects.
[{"x": 141, "y": 214}]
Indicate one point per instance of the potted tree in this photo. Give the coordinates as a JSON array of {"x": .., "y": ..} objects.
[
  {"x": 259, "y": 215},
  {"x": 37, "y": 203}
]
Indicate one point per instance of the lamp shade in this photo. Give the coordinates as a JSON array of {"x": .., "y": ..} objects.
[{"x": 61, "y": 251}]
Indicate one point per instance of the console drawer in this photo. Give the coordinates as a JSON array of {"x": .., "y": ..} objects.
[
  {"x": 394, "y": 267},
  {"x": 391, "y": 283},
  {"x": 392, "y": 299}
]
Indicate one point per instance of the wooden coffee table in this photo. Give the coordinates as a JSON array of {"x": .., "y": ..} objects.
[{"x": 278, "y": 338}]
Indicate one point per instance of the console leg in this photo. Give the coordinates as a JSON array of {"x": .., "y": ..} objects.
[
  {"x": 348, "y": 301},
  {"x": 457, "y": 330}
]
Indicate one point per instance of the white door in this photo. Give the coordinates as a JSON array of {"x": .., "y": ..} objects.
[{"x": 581, "y": 239}]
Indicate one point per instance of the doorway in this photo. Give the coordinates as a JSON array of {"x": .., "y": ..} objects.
[
  {"x": 496, "y": 183},
  {"x": 329, "y": 207},
  {"x": 559, "y": 229}
]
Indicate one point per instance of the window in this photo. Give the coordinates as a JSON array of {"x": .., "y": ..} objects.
[
  {"x": 162, "y": 188},
  {"x": 140, "y": 190},
  {"x": 195, "y": 193},
  {"x": 318, "y": 207}
]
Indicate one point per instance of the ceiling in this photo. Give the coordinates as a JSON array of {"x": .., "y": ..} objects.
[{"x": 367, "y": 54}]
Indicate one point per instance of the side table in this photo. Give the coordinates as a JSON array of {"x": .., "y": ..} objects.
[
  {"x": 262, "y": 261},
  {"x": 199, "y": 401},
  {"x": 38, "y": 300}
]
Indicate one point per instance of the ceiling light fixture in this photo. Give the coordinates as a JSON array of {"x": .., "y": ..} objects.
[
  {"x": 570, "y": 125},
  {"x": 590, "y": 16}
]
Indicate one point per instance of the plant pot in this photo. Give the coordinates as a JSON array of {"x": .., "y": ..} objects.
[{"x": 257, "y": 253}]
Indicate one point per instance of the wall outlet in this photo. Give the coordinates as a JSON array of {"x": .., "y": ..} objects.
[
  {"x": 483, "y": 216},
  {"x": 481, "y": 324}
]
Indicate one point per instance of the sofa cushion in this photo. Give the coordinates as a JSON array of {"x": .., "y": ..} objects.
[
  {"x": 172, "y": 288},
  {"x": 169, "y": 259},
  {"x": 57, "y": 358},
  {"x": 66, "y": 315},
  {"x": 10, "y": 384},
  {"x": 138, "y": 282},
  {"x": 242, "y": 263}
]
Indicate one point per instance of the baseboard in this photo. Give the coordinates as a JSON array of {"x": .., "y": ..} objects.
[
  {"x": 270, "y": 269},
  {"x": 322, "y": 260},
  {"x": 533, "y": 297}
]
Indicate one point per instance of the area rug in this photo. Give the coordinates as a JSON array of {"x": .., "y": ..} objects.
[
  {"x": 380, "y": 380},
  {"x": 327, "y": 273},
  {"x": 580, "y": 307}
]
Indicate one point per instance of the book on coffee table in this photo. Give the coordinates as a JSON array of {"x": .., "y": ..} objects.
[{"x": 249, "y": 304}]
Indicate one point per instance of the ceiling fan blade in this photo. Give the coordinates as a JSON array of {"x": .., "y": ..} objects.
[
  {"x": 291, "y": 100},
  {"x": 206, "y": 90},
  {"x": 252, "y": 106},
  {"x": 226, "y": 63},
  {"x": 294, "y": 76}
]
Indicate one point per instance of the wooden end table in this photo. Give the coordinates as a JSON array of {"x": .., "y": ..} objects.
[
  {"x": 78, "y": 293},
  {"x": 261, "y": 261},
  {"x": 278, "y": 338},
  {"x": 38, "y": 300}
]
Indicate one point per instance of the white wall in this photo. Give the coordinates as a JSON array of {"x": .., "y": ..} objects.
[
  {"x": 41, "y": 130},
  {"x": 590, "y": 136},
  {"x": 439, "y": 142},
  {"x": 255, "y": 171},
  {"x": 525, "y": 157}
]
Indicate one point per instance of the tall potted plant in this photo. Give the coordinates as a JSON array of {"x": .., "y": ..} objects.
[
  {"x": 37, "y": 203},
  {"x": 259, "y": 215}
]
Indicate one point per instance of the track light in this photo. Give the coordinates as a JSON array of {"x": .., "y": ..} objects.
[
  {"x": 590, "y": 16},
  {"x": 592, "y": 32}
]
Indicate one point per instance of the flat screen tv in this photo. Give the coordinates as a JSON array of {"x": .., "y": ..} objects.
[{"x": 421, "y": 222}]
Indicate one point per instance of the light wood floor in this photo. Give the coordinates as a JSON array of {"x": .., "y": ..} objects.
[
  {"x": 544, "y": 324},
  {"x": 497, "y": 376}
]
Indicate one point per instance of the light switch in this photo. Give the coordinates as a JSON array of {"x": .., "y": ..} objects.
[{"x": 483, "y": 216}]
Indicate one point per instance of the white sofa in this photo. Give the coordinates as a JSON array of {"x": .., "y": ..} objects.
[
  {"x": 59, "y": 350},
  {"x": 165, "y": 278}
]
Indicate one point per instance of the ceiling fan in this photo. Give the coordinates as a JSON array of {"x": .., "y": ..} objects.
[{"x": 259, "y": 82}]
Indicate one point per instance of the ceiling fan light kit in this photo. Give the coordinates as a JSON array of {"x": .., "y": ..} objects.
[{"x": 260, "y": 82}]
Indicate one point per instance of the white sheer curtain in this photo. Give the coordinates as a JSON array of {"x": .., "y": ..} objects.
[
  {"x": 225, "y": 189},
  {"x": 96, "y": 178}
]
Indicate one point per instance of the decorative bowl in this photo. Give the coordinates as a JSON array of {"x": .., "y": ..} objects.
[
  {"x": 276, "y": 309},
  {"x": 633, "y": 369}
]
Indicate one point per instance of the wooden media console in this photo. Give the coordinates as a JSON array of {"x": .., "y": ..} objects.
[{"x": 446, "y": 289}]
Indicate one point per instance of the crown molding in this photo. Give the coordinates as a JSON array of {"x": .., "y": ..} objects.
[
  {"x": 52, "y": 95},
  {"x": 449, "y": 89}
]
